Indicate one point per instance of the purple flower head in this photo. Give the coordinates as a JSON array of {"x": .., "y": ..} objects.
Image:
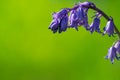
[
  {"x": 109, "y": 29},
  {"x": 73, "y": 18},
  {"x": 63, "y": 24},
  {"x": 54, "y": 25},
  {"x": 117, "y": 46},
  {"x": 60, "y": 21},
  {"x": 79, "y": 17},
  {"x": 84, "y": 18},
  {"x": 111, "y": 54},
  {"x": 95, "y": 26}
]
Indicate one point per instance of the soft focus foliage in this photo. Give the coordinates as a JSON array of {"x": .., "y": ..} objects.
[{"x": 29, "y": 51}]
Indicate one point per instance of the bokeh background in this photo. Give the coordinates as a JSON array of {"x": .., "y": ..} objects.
[{"x": 29, "y": 51}]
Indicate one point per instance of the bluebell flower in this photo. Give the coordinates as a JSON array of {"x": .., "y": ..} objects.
[
  {"x": 60, "y": 21},
  {"x": 73, "y": 18},
  {"x": 63, "y": 24},
  {"x": 54, "y": 25},
  {"x": 78, "y": 17},
  {"x": 83, "y": 18},
  {"x": 112, "y": 54},
  {"x": 109, "y": 29},
  {"x": 95, "y": 26},
  {"x": 117, "y": 46}
]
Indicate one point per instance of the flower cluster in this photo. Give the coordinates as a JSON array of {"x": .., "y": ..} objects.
[{"x": 77, "y": 16}]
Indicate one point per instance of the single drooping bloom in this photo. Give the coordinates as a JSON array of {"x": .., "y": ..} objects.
[
  {"x": 73, "y": 18},
  {"x": 79, "y": 17},
  {"x": 84, "y": 18},
  {"x": 117, "y": 46},
  {"x": 111, "y": 54},
  {"x": 95, "y": 26},
  {"x": 60, "y": 21},
  {"x": 63, "y": 24},
  {"x": 54, "y": 25},
  {"x": 109, "y": 29}
]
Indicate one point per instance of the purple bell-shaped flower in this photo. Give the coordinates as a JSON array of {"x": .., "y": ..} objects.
[
  {"x": 109, "y": 29},
  {"x": 63, "y": 24},
  {"x": 111, "y": 54},
  {"x": 54, "y": 25},
  {"x": 95, "y": 26}
]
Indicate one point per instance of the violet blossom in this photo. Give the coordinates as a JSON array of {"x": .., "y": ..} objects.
[
  {"x": 109, "y": 29},
  {"x": 111, "y": 54},
  {"x": 95, "y": 26}
]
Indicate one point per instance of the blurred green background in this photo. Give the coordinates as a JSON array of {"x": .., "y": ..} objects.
[{"x": 29, "y": 51}]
